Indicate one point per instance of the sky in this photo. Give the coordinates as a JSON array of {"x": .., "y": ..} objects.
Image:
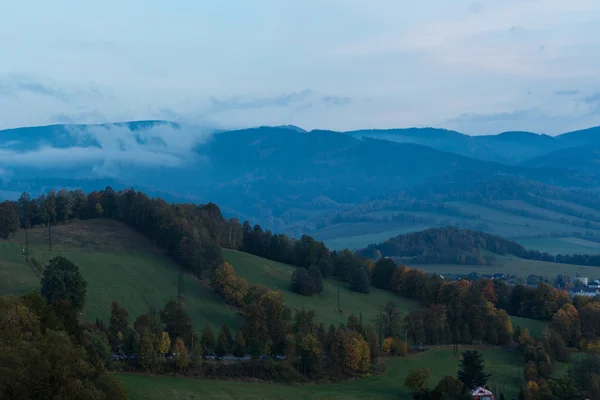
[{"x": 479, "y": 67}]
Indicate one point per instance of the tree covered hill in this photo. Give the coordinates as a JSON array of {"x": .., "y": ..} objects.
[
  {"x": 585, "y": 159},
  {"x": 510, "y": 147},
  {"x": 445, "y": 246},
  {"x": 451, "y": 245}
]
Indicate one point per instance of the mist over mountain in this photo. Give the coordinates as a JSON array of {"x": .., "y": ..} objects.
[{"x": 276, "y": 175}]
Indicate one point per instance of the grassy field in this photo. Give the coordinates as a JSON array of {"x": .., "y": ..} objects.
[
  {"x": 15, "y": 276},
  {"x": 277, "y": 276},
  {"x": 360, "y": 234},
  {"x": 118, "y": 264},
  {"x": 577, "y": 207},
  {"x": 500, "y": 362},
  {"x": 568, "y": 245},
  {"x": 535, "y": 327},
  {"x": 505, "y": 223},
  {"x": 514, "y": 266}
]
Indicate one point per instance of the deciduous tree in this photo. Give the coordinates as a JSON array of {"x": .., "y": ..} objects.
[
  {"x": 417, "y": 379},
  {"x": 63, "y": 281},
  {"x": 181, "y": 354},
  {"x": 449, "y": 388},
  {"x": 359, "y": 280},
  {"x": 177, "y": 320}
]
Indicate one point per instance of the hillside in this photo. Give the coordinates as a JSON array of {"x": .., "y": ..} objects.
[
  {"x": 260, "y": 271},
  {"x": 457, "y": 251},
  {"x": 118, "y": 264},
  {"x": 583, "y": 158},
  {"x": 446, "y": 245}
]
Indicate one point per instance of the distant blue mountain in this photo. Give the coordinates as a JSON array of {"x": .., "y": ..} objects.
[
  {"x": 266, "y": 173},
  {"x": 507, "y": 147}
]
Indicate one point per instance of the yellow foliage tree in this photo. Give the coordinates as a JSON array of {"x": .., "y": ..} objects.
[
  {"x": 566, "y": 322},
  {"x": 181, "y": 354},
  {"x": 221, "y": 275},
  {"x": 235, "y": 290},
  {"x": 165, "y": 343},
  {"x": 365, "y": 356},
  {"x": 352, "y": 354},
  {"x": 388, "y": 344},
  {"x": 524, "y": 337},
  {"x": 232, "y": 287},
  {"x": 505, "y": 319},
  {"x": 532, "y": 388}
]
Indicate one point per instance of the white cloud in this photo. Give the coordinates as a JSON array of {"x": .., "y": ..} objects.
[{"x": 118, "y": 147}]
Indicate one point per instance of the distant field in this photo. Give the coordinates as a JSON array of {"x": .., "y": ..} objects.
[
  {"x": 535, "y": 327},
  {"x": 360, "y": 234},
  {"x": 521, "y": 205},
  {"x": 569, "y": 245},
  {"x": 511, "y": 225},
  {"x": 118, "y": 263},
  {"x": 501, "y": 363},
  {"x": 577, "y": 207},
  {"x": 514, "y": 266},
  {"x": 277, "y": 276},
  {"x": 505, "y": 223}
]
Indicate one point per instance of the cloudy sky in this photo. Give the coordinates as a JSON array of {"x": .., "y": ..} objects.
[{"x": 478, "y": 67}]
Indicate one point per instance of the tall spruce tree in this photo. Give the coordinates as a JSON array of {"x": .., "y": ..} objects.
[{"x": 471, "y": 371}]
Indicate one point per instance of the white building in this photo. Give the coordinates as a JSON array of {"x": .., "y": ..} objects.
[
  {"x": 480, "y": 393},
  {"x": 582, "y": 279},
  {"x": 594, "y": 284}
]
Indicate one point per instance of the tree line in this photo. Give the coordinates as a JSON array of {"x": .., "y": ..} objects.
[{"x": 191, "y": 234}]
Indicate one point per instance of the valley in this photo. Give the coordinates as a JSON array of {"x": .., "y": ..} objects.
[{"x": 330, "y": 203}]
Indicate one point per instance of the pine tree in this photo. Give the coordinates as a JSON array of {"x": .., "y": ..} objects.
[{"x": 471, "y": 371}]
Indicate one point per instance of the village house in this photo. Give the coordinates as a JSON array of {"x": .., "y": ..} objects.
[{"x": 480, "y": 393}]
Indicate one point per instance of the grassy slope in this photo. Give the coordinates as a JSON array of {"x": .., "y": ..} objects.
[
  {"x": 277, "y": 276},
  {"x": 118, "y": 263},
  {"x": 501, "y": 363},
  {"x": 535, "y": 327},
  {"x": 15, "y": 276},
  {"x": 568, "y": 245}
]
